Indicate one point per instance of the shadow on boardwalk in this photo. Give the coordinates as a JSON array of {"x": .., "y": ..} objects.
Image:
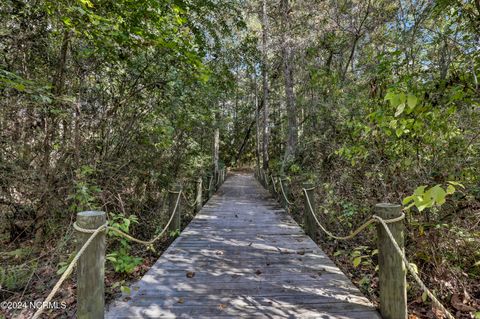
[{"x": 243, "y": 256}]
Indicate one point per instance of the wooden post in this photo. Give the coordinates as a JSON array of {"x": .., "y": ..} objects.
[
  {"x": 172, "y": 202},
  {"x": 284, "y": 196},
  {"x": 91, "y": 267},
  {"x": 199, "y": 197},
  {"x": 274, "y": 186},
  {"x": 264, "y": 180},
  {"x": 308, "y": 220},
  {"x": 392, "y": 272},
  {"x": 210, "y": 186},
  {"x": 275, "y": 180},
  {"x": 271, "y": 186}
]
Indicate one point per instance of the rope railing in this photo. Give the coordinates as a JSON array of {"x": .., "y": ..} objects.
[
  {"x": 189, "y": 203},
  {"x": 273, "y": 183},
  {"x": 283, "y": 193},
  {"x": 384, "y": 224},
  {"x": 69, "y": 270},
  {"x": 399, "y": 251},
  {"x": 94, "y": 233},
  {"x": 411, "y": 269},
  {"x": 105, "y": 227}
]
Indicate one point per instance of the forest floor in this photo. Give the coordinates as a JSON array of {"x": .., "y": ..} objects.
[{"x": 34, "y": 273}]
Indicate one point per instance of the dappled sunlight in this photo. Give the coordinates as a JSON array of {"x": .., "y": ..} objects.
[{"x": 243, "y": 257}]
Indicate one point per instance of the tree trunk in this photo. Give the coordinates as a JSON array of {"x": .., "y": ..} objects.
[
  {"x": 265, "y": 85},
  {"x": 50, "y": 127},
  {"x": 216, "y": 144},
  {"x": 257, "y": 120},
  {"x": 287, "y": 56}
]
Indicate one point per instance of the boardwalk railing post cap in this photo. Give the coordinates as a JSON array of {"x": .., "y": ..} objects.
[
  {"x": 387, "y": 205},
  {"x": 91, "y": 213}
]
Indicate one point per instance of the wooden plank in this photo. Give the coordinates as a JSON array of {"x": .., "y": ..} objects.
[{"x": 249, "y": 260}]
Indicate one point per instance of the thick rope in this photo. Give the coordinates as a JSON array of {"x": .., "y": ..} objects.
[
  {"x": 94, "y": 233},
  {"x": 188, "y": 202},
  {"x": 283, "y": 192},
  {"x": 411, "y": 270},
  {"x": 118, "y": 231},
  {"x": 273, "y": 183},
  {"x": 352, "y": 234},
  {"x": 384, "y": 223},
  {"x": 69, "y": 269}
]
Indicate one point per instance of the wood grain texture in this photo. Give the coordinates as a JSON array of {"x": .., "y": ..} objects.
[
  {"x": 392, "y": 272},
  {"x": 91, "y": 267},
  {"x": 242, "y": 256}
]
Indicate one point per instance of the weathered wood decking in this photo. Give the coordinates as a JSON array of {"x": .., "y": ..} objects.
[{"x": 243, "y": 257}]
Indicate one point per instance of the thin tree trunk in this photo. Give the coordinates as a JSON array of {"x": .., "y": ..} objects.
[
  {"x": 49, "y": 123},
  {"x": 287, "y": 56},
  {"x": 257, "y": 119},
  {"x": 265, "y": 85},
  {"x": 216, "y": 144}
]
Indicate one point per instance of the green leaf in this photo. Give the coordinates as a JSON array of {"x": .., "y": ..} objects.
[
  {"x": 63, "y": 267},
  {"x": 420, "y": 190},
  {"x": 400, "y": 109},
  {"x": 438, "y": 194},
  {"x": 421, "y": 205},
  {"x": 450, "y": 189},
  {"x": 389, "y": 96},
  {"x": 357, "y": 261},
  {"x": 407, "y": 200},
  {"x": 20, "y": 87},
  {"x": 411, "y": 101},
  {"x": 456, "y": 184},
  {"x": 125, "y": 289},
  {"x": 424, "y": 296},
  {"x": 399, "y": 132}
]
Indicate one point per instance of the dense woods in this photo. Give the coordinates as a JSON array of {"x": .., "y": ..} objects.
[{"x": 107, "y": 104}]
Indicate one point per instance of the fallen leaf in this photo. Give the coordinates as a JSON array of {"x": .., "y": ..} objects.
[
  {"x": 190, "y": 274},
  {"x": 258, "y": 272},
  {"x": 181, "y": 300},
  {"x": 222, "y": 306},
  {"x": 438, "y": 312},
  {"x": 458, "y": 303}
]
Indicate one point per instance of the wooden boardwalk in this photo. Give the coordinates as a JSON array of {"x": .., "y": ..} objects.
[{"x": 242, "y": 256}]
